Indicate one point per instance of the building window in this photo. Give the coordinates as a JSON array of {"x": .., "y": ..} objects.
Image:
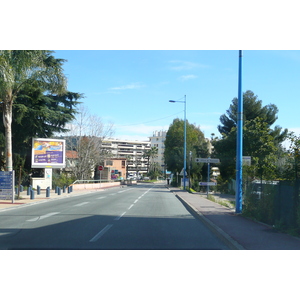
[{"x": 108, "y": 163}]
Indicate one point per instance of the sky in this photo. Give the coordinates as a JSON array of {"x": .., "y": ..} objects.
[{"x": 132, "y": 88}]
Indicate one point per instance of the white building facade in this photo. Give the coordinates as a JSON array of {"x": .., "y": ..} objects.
[
  {"x": 158, "y": 141},
  {"x": 133, "y": 151}
]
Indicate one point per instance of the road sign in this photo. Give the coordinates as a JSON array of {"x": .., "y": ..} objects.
[
  {"x": 247, "y": 160},
  {"x": 7, "y": 182},
  {"x": 181, "y": 173},
  {"x": 100, "y": 168},
  {"x": 207, "y": 160},
  {"x": 207, "y": 183}
]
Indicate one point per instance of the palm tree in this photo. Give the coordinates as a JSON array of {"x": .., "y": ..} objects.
[
  {"x": 22, "y": 67},
  {"x": 150, "y": 154}
]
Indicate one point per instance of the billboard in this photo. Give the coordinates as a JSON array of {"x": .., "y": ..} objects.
[{"x": 48, "y": 153}]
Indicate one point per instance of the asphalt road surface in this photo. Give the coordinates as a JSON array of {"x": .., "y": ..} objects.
[{"x": 134, "y": 217}]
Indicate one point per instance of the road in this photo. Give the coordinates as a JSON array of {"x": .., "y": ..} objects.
[{"x": 134, "y": 217}]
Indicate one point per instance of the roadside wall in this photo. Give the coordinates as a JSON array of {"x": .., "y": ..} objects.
[{"x": 84, "y": 186}]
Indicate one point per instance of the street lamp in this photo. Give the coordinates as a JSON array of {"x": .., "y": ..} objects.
[
  {"x": 184, "y": 144},
  {"x": 239, "y": 149}
]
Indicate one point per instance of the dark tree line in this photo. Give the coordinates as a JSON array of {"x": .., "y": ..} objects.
[{"x": 36, "y": 111}]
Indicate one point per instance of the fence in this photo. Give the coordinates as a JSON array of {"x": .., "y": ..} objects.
[{"x": 274, "y": 203}]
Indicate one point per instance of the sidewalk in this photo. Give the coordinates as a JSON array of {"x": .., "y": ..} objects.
[{"x": 236, "y": 231}]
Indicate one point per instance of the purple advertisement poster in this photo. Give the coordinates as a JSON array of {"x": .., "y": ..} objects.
[{"x": 48, "y": 152}]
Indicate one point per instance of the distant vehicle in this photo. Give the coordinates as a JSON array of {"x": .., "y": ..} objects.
[
  {"x": 146, "y": 178},
  {"x": 131, "y": 177}
]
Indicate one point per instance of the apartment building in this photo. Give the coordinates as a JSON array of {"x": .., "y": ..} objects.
[
  {"x": 158, "y": 140},
  {"x": 132, "y": 151}
]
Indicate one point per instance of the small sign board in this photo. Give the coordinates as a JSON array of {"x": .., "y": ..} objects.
[
  {"x": 100, "y": 168},
  {"x": 207, "y": 160},
  {"x": 7, "y": 183},
  {"x": 207, "y": 183}
]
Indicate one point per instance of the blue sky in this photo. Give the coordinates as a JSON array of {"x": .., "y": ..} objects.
[{"x": 131, "y": 88}]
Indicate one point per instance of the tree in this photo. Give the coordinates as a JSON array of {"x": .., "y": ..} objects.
[
  {"x": 254, "y": 115},
  {"x": 150, "y": 155},
  {"x": 24, "y": 67},
  {"x": 292, "y": 167},
  {"x": 261, "y": 146},
  {"x": 174, "y": 147},
  {"x": 257, "y": 143},
  {"x": 85, "y": 136},
  {"x": 252, "y": 108},
  {"x": 36, "y": 114}
]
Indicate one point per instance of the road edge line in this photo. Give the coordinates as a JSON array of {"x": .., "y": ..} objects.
[{"x": 226, "y": 238}]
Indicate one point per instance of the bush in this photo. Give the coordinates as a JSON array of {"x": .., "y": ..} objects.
[{"x": 62, "y": 179}]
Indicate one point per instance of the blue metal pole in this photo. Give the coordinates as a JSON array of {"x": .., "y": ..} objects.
[
  {"x": 239, "y": 144},
  {"x": 184, "y": 159}
]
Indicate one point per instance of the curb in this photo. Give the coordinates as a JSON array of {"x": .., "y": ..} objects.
[{"x": 221, "y": 234}]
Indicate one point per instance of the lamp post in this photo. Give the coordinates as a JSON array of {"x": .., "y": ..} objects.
[
  {"x": 184, "y": 143},
  {"x": 239, "y": 149}
]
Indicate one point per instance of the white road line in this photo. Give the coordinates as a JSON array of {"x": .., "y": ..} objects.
[
  {"x": 118, "y": 218},
  {"x": 43, "y": 217},
  {"x": 101, "y": 197},
  {"x": 80, "y": 204},
  {"x": 33, "y": 220},
  {"x": 99, "y": 234},
  {"x": 130, "y": 206}
]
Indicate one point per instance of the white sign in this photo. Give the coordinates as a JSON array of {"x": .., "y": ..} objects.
[
  {"x": 207, "y": 183},
  {"x": 208, "y": 160}
]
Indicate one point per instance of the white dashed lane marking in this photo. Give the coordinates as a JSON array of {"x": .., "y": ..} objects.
[{"x": 43, "y": 217}]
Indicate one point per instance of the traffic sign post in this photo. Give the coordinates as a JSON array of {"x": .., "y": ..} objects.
[
  {"x": 207, "y": 183},
  {"x": 100, "y": 168},
  {"x": 208, "y": 161}
]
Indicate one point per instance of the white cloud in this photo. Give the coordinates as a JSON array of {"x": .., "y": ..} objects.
[
  {"x": 187, "y": 77},
  {"x": 296, "y": 130},
  {"x": 179, "y": 65},
  {"x": 131, "y": 86}
]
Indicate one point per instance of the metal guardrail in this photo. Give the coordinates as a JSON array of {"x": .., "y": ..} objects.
[
  {"x": 124, "y": 181},
  {"x": 79, "y": 181}
]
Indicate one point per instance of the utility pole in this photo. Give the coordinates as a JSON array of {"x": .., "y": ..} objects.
[{"x": 239, "y": 144}]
